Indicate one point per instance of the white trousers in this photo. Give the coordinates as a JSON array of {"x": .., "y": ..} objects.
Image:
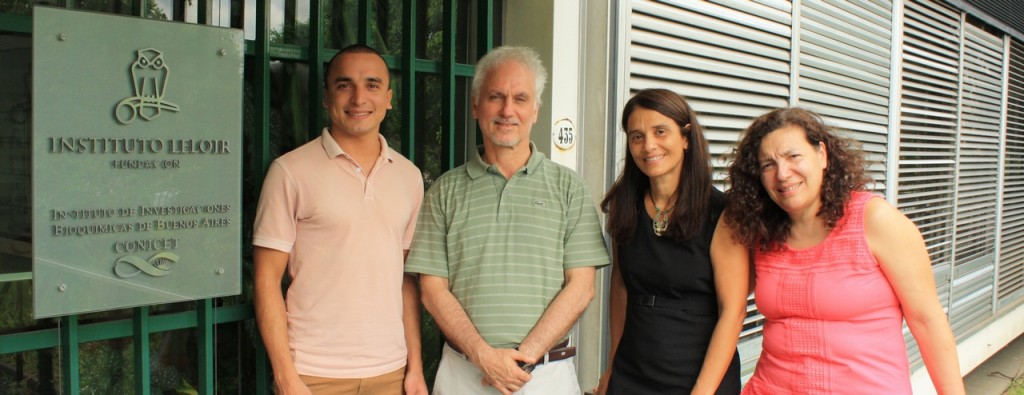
[{"x": 458, "y": 376}]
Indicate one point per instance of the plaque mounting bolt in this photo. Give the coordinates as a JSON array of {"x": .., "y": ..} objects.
[
  {"x": 220, "y": 271},
  {"x": 62, "y": 36},
  {"x": 222, "y": 52},
  {"x": 62, "y": 288}
]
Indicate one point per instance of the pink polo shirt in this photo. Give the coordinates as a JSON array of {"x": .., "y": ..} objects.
[{"x": 345, "y": 232}]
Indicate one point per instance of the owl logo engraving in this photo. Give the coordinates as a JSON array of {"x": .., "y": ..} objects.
[{"x": 149, "y": 76}]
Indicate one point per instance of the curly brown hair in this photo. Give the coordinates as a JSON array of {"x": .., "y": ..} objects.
[{"x": 758, "y": 222}]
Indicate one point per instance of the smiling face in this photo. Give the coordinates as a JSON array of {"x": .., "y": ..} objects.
[
  {"x": 507, "y": 106},
  {"x": 357, "y": 95},
  {"x": 792, "y": 170},
  {"x": 656, "y": 144}
]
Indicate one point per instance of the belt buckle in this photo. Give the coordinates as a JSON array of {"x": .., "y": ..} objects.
[{"x": 647, "y": 300}]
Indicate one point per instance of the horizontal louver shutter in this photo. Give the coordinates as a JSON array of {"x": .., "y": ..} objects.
[
  {"x": 977, "y": 178},
  {"x": 845, "y": 51},
  {"x": 927, "y": 143},
  {"x": 1011, "y": 254},
  {"x": 731, "y": 60}
]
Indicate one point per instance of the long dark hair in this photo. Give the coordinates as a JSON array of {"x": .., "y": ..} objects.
[
  {"x": 758, "y": 221},
  {"x": 625, "y": 198}
]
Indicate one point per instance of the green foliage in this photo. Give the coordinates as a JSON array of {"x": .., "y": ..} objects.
[
  {"x": 122, "y": 7},
  {"x": 21, "y": 7},
  {"x": 16, "y": 308},
  {"x": 19, "y": 373},
  {"x": 107, "y": 368},
  {"x": 1016, "y": 387}
]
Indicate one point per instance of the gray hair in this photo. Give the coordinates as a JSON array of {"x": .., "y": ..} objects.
[{"x": 498, "y": 56}]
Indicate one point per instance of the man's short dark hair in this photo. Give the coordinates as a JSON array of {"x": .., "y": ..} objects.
[{"x": 354, "y": 48}]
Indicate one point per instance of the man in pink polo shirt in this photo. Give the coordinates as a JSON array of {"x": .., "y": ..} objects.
[{"x": 339, "y": 213}]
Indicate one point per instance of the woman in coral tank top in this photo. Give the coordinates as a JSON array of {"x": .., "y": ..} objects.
[{"x": 837, "y": 268}]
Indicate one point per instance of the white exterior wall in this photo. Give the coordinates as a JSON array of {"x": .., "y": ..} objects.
[
  {"x": 922, "y": 88},
  {"x": 937, "y": 101},
  {"x": 572, "y": 37}
]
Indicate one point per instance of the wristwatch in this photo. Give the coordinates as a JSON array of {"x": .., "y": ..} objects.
[{"x": 525, "y": 366}]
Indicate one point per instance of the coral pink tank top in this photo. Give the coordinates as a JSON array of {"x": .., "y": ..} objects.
[{"x": 833, "y": 324}]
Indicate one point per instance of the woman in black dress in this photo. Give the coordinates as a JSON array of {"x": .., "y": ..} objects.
[{"x": 679, "y": 280}]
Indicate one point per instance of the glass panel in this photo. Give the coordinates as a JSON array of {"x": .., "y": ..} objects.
[
  {"x": 387, "y": 26},
  {"x": 430, "y": 30},
  {"x": 223, "y": 13},
  {"x": 171, "y": 308},
  {"x": 465, "y": 14},
  {"x": 108, "y": 315},
  {"x": 289, "y": 22},
  {"x": 250, "y": 18},
  {"x": 15, "y": 157},
  {"x": 236, "y": 345},
  {"x": 84, "y": 260},
  {"x": 391, "y": 128},
  {"x": 163, "y": 10},
  {"x": 173, "y": 366},
  {"x": 289, "y": 101},
  {"x": 192, "y": 10},
  {"x": 123, "y": 7},
  {"x": 107, "y": 367},
  {"x": 252, "y": 171},
  {"x": 30, "y": 372},
  {"x": 464, "y": 126},
  {"x": 247, "y": 274},
  {"x": 430, "y": 138},
  {"x": 341, "y": 23},
  {"x": 16, "y": 309},
  {"x": 23, "y": 7}
]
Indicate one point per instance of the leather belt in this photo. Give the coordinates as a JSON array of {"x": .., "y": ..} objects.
[
  {"x": 675, "y": 304},
  {"x": 557, "y": 353}
]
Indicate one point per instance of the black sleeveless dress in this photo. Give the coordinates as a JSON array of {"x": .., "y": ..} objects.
[{"x": 671, "y": 312}]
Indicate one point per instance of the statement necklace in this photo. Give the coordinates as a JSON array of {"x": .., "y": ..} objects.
[{"x": 660, "y": 222}]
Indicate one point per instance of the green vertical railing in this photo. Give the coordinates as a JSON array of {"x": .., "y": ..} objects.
[
  {"x": 364, "y": 24},
  {"x": 408, "y": 86},
  {"x": 315, "y": 111},
  {"x": 485, "y": 17},
  {"x": 261, "y": 87},
  {"x": 205, "y": 344},
  {"x": 448, "y": 79},
  {"x": 140, "y": 336},
  {"x": 70, "y": 374}
]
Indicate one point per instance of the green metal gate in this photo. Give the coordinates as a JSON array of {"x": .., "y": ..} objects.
[{"x": 212, "y": 345}]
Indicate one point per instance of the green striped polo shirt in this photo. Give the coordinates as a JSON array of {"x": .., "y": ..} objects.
[{"x": 504, "y": 244}]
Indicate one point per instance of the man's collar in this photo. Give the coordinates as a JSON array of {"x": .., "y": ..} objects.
[
  {"x": 476, "y": 166},
  {"x": 332, "y": 148}
]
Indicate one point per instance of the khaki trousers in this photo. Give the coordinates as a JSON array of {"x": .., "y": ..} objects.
[{"x": 385, "y": 384}]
